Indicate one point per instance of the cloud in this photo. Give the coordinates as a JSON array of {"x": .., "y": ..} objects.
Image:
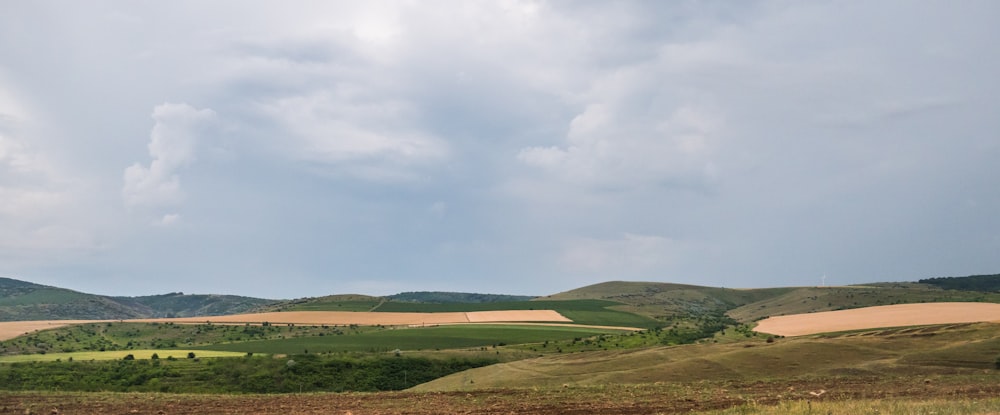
[
  {"x": 41, "y": 206},
  {"x": 173, "y": 145},
  {"x": 606, "y": 147},
  {"x": 629, "y": 255},
  {"x": 355, "y": 136}
]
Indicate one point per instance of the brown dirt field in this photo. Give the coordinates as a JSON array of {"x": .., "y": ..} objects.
[
  {"x": 515, "y": 315},
  {"x": 9, "y": 330},
  {"x": 880, "y": 316},
  {"x": 667, "y": 398}
]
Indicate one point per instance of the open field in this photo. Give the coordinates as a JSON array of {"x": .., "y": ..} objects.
[
  {"x": 881, "y": 316},
  {"x": 117, "y": 355},
  {"x": 965, "y": 394},
  {"x": 9, "y": 330},
  {"x": 419, "y": 338}
]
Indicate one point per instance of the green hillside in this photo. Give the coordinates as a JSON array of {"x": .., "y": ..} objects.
[
  {"x": 191, "y": 305},
  {"x": 22, "y": 301},
  {"x": 665, "y": 301},
  {"x": 455, "y": 297}
]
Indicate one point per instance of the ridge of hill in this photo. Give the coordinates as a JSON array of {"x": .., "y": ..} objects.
[
  {"x": 24, "y": 301},
  {"x": 455, "y": 297},
  {"x": 665, "y": 301}
]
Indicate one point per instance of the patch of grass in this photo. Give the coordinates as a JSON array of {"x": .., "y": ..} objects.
[
  {"x": 423, "y": 338},
  {"x": 116, "y": 355}
]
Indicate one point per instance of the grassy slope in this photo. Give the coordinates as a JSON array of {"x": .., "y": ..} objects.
[
  {"x": 340, "y": 302},
  {"x": 665, "y": 300},
  {"x": 22, "y": 301},
  {"x": 919, "y": 351},
  {"x": 588, "y": 311}
]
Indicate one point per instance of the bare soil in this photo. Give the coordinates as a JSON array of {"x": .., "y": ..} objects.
[
  {"x": 666, "y": 398},
  {"x": 880, "y": 316}
]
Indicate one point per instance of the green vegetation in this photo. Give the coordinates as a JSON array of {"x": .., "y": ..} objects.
[
  {"x": 300, "y": 373},
  {"x": 453, "y": 297},
  {"x": 22, "y": 301},
  {"x": 115, "y": 355},
  {"x": 984, "y": 283},
  {"x": 346, "y": 302},
  {"x": 426, "y": 338},
  {"x": 130, "y": 336}
]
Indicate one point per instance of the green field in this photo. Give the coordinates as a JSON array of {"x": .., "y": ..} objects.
[
  {"x": 116, "y": 355},
  {"x": 424, "y": 338}
]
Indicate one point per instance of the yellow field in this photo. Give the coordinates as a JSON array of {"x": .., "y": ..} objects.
[{"x": 881, "y": 316}]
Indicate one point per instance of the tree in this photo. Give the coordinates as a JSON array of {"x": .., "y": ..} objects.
[{"x": 190, "y": 355}]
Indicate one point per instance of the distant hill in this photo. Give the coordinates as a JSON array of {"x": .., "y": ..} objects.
[
  {"x": 455, "y": 297},
  {"x": 192, "y": 305},
  {"x": 986, "y": 283},
  {"x": 21, "y": 300},
  {"x": 665, "y": 300}
]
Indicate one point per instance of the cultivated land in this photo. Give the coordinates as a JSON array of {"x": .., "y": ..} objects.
[
  {"x": 9, "y": 330},
  {"x": 870, "y": 350},
  {"x": 882, "y": 316}
]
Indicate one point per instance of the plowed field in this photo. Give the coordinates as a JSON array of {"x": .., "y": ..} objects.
[{"x": 881, "y": 316}]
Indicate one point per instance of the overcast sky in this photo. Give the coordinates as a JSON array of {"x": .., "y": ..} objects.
[{"x": 290, "y": 149}]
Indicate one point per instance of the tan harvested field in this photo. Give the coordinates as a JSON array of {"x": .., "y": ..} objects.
[
  {"x": 12, "y": 329},
  {"x": 9, "y": 330},
  {"x": 881, "y": 316}
]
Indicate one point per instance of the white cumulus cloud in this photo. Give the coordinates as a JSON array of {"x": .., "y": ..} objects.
[{"x": 173, "y": 143}]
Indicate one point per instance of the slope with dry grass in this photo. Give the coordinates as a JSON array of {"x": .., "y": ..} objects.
[{"x": 921, "y": 351}]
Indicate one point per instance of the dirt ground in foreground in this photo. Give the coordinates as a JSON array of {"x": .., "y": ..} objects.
[
  {"x": 616, "y": 399},
  {"x": 880, "y": 316}
]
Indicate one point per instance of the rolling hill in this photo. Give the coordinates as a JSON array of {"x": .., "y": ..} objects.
[
  {"x": 921, "y": 351},
  {"x": 23, "y": 301}
]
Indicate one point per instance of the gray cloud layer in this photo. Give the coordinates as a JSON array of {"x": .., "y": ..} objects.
[{"x": 510, "y": 146}]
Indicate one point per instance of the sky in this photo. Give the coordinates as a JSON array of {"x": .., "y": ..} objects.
[{"x": 293, "y": 149}]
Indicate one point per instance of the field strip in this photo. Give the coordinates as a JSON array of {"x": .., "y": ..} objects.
[
  {"x": 879, "y": 316},
  {"x": 9, "y": 330},
  {"x": 582, "y": 326}
]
